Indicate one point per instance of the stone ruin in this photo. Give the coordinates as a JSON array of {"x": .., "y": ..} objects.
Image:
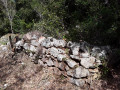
[{"x": 78, "y": 61}]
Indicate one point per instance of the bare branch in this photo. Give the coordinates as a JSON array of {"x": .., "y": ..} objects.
[{"x": 9, "y": 10}]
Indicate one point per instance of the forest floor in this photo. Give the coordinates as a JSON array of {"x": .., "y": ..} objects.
[{"x": 19, "y": 73}]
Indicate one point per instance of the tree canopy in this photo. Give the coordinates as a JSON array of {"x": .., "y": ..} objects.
[{"x": 90, "y": 20}]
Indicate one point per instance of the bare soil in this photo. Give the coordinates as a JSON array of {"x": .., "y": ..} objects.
[{"x": 19, "y": 73}]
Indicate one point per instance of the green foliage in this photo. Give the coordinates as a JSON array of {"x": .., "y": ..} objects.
[
  {"x": 104, "y": 69},
  {"x": 89, "y": 20},
  {"x": 51, "y": 17}
]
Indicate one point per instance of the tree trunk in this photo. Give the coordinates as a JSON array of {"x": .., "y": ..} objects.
[{"x": 11, "y": 27}]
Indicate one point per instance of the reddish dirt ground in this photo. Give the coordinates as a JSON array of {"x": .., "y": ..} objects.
[{"x": 19, "y": 73}]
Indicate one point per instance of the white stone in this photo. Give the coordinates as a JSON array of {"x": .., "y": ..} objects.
[
  {"x": 32, "y": 48},
  {"x": 53, "y": 51},
  {"x": 75, "y": 50},
  {"x": 31, "y": 55},
  {"x": 40, "y": 62},
  {"x": 80, "y": 72},
  {"x": 71, "y": 63},
  {"x": 87, "y": 62},
  {"x": 67, "y": 68},
  {"x": 4, "y": 48},
  {"x": 50, "y": 62},
  {"x": 41, "y": 39},
  {"x": 26, "y": 46},
  {"x": 98, "y": 62},
  {"x": 34, "y": 43},
  {"x": 75, "y": 57},
  {"x": 84, "y": 55},
  {"x": 60, "y": 57},
  {"x": 69, "y": 44},
  {"x": 70, "y": 73},
  {"x": 5, "y": 86},
  {"x": 19, "y": 44},
  {"x": 47, "y": 42},
  {"x": 59, "y": 43},
  {"x": 60, "y": 51}
]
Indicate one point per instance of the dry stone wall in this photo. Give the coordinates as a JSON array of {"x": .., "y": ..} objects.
[{"x": 79, "y": 62}]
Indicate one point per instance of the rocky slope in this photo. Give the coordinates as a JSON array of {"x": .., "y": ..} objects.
[{"x": 58, "y": 64}]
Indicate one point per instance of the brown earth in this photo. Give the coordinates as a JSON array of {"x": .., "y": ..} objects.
[{"x": 19, "y": 73}]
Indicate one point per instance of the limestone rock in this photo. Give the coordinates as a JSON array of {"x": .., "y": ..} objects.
[
  {"x": 98, "y": 62},
  {"x": 50, "y": 62},
  {"x": 32, "y": 48},
  {"x": 26, "y": 46},
  {"x": 80, "y": 72},
  {"x": 67, "y": 68},
  {"x": 53, "y": 51},
  {"x": 31, "y": 55},
  {"x": 71, "y": 63},
  {"x": 87, "y": 62},
  {"x": 74, "y": 47},
  {"x": 48, "y": 42},
  {"x": 94, "y": 70},
  {"x": 69, "y": 44},
  {"x": 60, "y": 51},
  {"x": 19, "y": 44},
  {"x": 3, "y": 47},
  {"x": 75, "y": 50},
  {"x": 70, "y": 73},
  {"x": 75, "y": 57},
  {"x": 59, "y": 43},
  {"x": 60, "y": 57},
  {"x": 34, "y": 43},
  {"x": 84, "y": 55},
  {"x": 41, "y": 39}
]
